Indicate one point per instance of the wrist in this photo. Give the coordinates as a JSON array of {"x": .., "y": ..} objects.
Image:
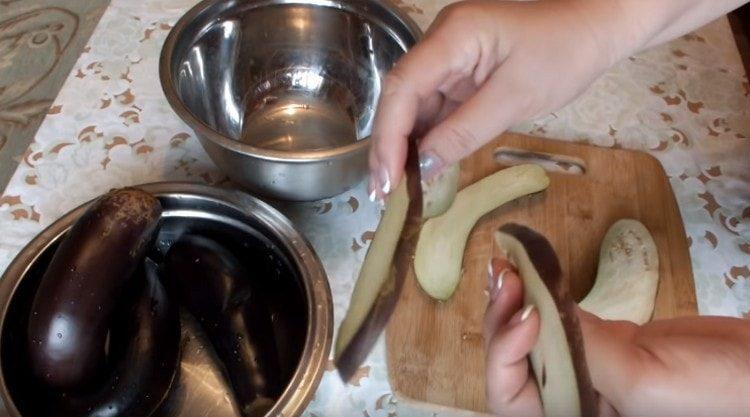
[
  {"x": 631, "y": 26},
  {"x": 616, "y": 34}
]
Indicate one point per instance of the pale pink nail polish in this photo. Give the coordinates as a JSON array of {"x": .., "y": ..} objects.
[
  {"x": 494, "y": 284},
  {"x": 373, "y": 188},
  {"x": 385, "y": 181},
  {"x": 523, "y": 315},
  {"x": 429, "y": 165}
]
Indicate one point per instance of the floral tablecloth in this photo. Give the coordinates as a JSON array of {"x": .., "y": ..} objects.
[{"x": 687, "y": 103}]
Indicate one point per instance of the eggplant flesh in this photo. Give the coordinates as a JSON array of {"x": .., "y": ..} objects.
[
  {"x": 558, "y": 359},
  {"x": 77, "y": 296},
  {"x": 218, "y": 291}
]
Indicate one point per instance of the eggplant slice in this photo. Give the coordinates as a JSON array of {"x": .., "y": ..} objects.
[
  {"x": 387, "y": 263},
  {"x": 442, "y": 241},
  {"x": 558, "y": 359},
  {"x": 628, "y": 275}
]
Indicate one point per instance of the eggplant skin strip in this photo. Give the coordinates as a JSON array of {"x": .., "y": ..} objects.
[{"x": 560, "y": 349}]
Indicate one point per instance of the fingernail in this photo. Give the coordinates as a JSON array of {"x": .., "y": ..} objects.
[
  {"x": 494, "y": 284},
  {"x": 429, "y": 164},
  {"x": 523, "y": 315},
  {"x": 385, "y": 179},
  {"x": 373, "y": 187},
  {"x": 527, "y": 312}
]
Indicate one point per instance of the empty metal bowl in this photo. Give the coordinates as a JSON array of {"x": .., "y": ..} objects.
[
  {"x": 282, "y": 93},
  {"x": 241, "y": 223}
]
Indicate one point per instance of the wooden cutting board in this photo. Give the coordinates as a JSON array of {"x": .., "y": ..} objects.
[{"x": 435, "y": 350}]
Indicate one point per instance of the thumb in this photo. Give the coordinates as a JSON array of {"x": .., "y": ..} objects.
[
  {"x": 511, "y": 389},
  {"x": 501, "y": 102}
]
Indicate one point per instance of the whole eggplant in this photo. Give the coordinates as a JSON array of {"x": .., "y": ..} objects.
[
  {"x": 145, "y": 340},
  {"x": 73, "y": 306},
  {"x": 217, "y": 289}
]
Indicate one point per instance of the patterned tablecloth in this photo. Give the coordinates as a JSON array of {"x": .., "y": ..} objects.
[{"x": 687, "y": 103}]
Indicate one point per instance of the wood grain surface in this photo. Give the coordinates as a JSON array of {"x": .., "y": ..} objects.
[{"x": 435, "y": 351}]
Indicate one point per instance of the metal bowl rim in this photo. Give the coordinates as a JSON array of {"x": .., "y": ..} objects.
[
  {"x": 203, "y": 129},
  {"x": 319, "y": 338}
]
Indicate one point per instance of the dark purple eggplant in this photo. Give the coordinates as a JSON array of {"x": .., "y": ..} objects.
[
  {"x": 145, "y": 340},
  {"x": 217, "y": 289},
  {"x": 73, "y": 306}
]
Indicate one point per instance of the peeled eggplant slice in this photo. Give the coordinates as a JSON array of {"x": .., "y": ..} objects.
[
  {"x": 628, "y": 275},
  {"x": 383, "y": 272},
  {"x": 439, "y": 193},
  {"x": 440, "y": 249},
  {"x": 558, "y": 359}
]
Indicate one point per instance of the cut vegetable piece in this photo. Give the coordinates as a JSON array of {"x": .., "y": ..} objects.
[
  {"x": 376, "y": 267},
  {"x": 558, "y": 358},
  {"x": 440, "y": 192},
  {"x": 628, "y": 275},
  {"x": 440, "y": 249},
  {"x": 383, "y": 272}
]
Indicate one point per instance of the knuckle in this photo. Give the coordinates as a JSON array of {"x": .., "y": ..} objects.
[
  {"x": 459, "y": 139},
  {"x": 457, "y": 12},
  {"x": 394, "y": 82}
]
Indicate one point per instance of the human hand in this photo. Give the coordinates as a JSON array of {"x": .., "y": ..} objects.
[
  {"x": 690, "y": 366},
  {"x": 486, "y": 65},
  {"x": 510, "y": 332},
  {"x": 483, "y": 66}
]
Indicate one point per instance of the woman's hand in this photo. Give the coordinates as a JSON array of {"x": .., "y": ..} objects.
[
  {"x": 693, "y": 366},
  {"x": 483, "y": 66},
  {"x": 486, "y": 65}
]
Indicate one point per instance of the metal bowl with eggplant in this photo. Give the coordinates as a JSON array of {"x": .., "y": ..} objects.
[{"x": 166, "y": 299}]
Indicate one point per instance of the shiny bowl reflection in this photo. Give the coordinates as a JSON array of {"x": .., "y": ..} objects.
[{"x": 282, "y": 93}]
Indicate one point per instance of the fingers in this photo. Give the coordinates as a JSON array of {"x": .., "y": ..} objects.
[
  {"x": 511, "y": 390},
  {"x": 501, "y": 102},
  {"x": 506, "y": 296},
  {"x": 510, "y": 333},
  {"x": 611, "y": 355},
  {"x": 410, "y": 93},
  {"x": 439, "y": 65}
]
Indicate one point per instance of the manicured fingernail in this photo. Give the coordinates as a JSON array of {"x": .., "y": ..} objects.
[
  {"x": 494, "y": 284},
  {"x": 373, "y": 195},
  {"x": 522, "y": 315},
  {"x": 429, "y": 164},
  {"x": 527, "y": 312},
  {"x": 385, "y": 180}
]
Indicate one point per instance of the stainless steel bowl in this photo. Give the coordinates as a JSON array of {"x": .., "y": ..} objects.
[
  {"x": 282, "y": 93},
  {"x": 200, "y": 388}
]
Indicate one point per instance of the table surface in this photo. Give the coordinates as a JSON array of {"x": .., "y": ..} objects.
[{"x": 687, "y": 103}]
